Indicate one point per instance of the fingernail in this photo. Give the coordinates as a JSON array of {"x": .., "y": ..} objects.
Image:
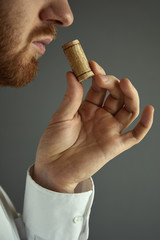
[
  {"x": 98, "y": 66},
  {"x": 104, "y": 78}
]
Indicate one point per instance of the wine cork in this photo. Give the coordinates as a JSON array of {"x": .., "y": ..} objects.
[{"x": 77, "y": 60}]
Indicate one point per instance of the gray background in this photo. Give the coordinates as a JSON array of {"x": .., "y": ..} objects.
[{"x": 122, "y": 36}]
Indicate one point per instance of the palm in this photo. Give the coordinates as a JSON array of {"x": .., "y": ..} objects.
[
  {"x": 83, "y": 132},
  {"x": 99, "y": 130}
]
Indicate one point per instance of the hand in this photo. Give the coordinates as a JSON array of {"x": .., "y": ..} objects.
[{"x": 83, "y": 136}]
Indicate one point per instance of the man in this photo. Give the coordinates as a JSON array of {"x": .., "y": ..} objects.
[{"x": 81, "y": 136}]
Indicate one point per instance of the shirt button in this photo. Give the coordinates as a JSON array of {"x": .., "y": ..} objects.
[{"x": 77, "y": 219}]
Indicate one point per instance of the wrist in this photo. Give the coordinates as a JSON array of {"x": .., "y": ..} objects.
[{"x": 42, "y": 178}]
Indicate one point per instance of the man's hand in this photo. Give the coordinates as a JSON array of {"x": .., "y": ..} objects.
[{"x": 83, "y": 136}]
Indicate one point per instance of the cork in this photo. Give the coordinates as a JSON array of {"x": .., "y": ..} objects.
[{"x": 77, "y": 60}]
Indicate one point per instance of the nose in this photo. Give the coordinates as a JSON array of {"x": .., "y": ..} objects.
[{"x": 58, "y": 11}]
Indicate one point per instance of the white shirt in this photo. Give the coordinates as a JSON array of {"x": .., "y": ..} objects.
[{"x": 47, "y": 215}]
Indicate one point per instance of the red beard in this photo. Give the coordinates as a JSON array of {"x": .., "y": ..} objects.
[{"x": 18, "y": 70}]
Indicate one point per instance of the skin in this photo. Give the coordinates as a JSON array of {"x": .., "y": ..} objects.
[{"x": 82, "y": 136}]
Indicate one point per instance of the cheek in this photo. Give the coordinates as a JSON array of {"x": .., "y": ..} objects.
[
  {"x": 17, "y": 23},
  {"x": 21, "y": 23}
]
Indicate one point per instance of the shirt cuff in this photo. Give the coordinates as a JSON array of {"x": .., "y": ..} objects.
[{"x": 52, "y": 215}]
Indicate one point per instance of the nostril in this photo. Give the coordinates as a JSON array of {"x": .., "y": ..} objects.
[{"x": 57, "y": 22}]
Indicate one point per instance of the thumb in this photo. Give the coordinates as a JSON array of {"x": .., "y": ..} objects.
[{"x": 71, "y": 101}]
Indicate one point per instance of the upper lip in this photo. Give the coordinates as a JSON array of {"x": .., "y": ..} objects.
[{"x": 44, "y": 41}]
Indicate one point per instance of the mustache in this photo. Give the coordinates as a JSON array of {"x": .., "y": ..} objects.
[{"x": 48, "y": 30}]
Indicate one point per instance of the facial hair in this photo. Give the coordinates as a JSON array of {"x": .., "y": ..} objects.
[{"x": 17, "y": 70}]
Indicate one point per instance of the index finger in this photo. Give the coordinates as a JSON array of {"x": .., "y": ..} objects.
[{"x": 96, "y": 94}]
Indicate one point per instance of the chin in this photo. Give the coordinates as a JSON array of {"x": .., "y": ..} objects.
[{"x": 18, "y": 75}]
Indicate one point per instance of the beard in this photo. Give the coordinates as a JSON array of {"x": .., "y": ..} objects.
[
  {"x": 15, "y": 71},
  {"x": 19, "y": 69}
]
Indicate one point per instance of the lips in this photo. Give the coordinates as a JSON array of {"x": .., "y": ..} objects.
[{"x": 40, "y": 45}]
